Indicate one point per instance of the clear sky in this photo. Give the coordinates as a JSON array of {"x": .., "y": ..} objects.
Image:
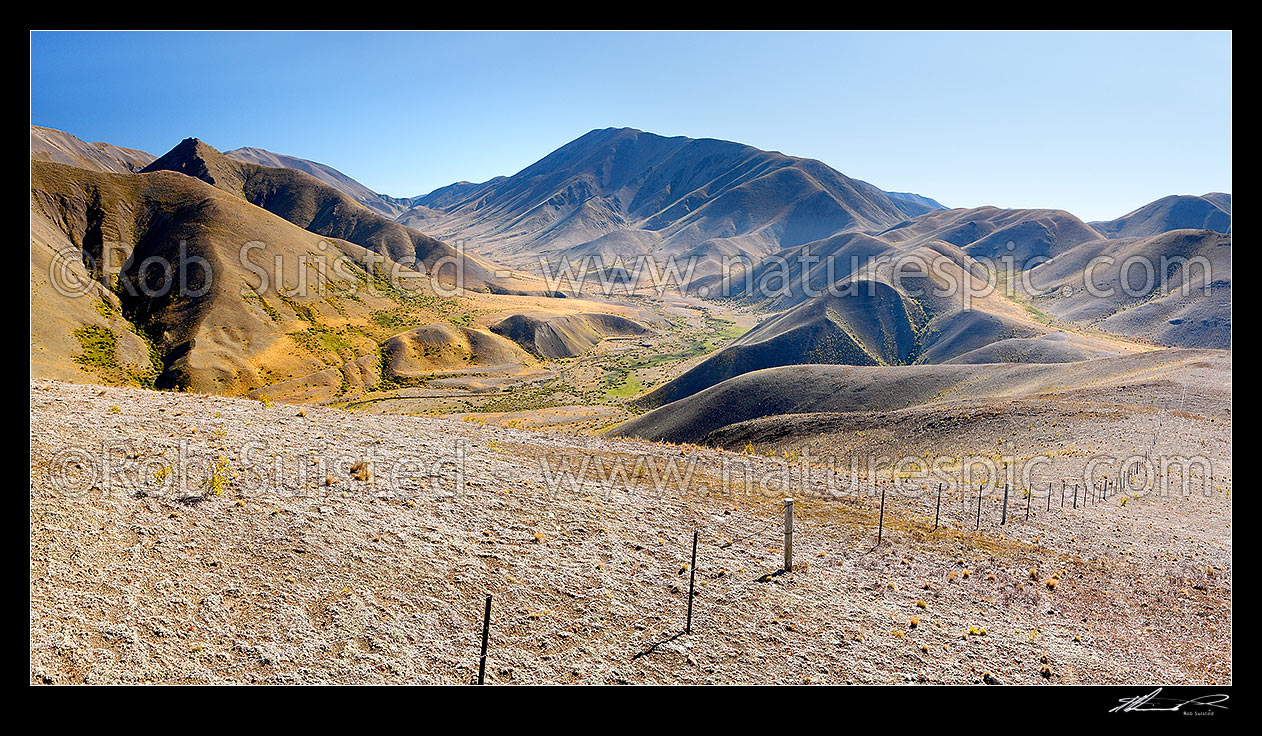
[{"x": 1094, "y": 123}]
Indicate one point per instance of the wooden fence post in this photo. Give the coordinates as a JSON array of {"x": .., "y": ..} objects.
[
  {"x": 1004, "y": 519},
  {"x": 788, "y": 534},
  {"x": 938, "y": 508},
  {"x": 486, "y": 630},
  {"x": 880, "y": 524}
]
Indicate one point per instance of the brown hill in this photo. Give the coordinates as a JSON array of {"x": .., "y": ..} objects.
[
  {"x": 551, "y": 335},
  {"x": 58, "y": 146},
  {"x": 441, "y": 348},
  {"x": 313, "y": 205},
  {"x": 227, "y": 333},
  {"x": 991, "y": 232}
]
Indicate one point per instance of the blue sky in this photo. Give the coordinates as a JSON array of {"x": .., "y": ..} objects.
[{"x": 1094, "y": 123}]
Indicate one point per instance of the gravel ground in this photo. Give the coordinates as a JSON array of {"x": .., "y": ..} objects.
[{"x": 188, "y": 539}]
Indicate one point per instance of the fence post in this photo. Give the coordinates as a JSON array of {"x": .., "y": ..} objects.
[
  {"x": 1004, "y": 519},
  {"x": 486, "y": 630},
  {"x": 692, "y": 578},
  {"x": 1029, "y": 498},
  {"x": 979, "y": 507},
  {"x": 938, "y": 508},
  {"x": 1062, "y": 493},
  {"x": 1049, "y": 496},
  {"x": 1075, "y": 495},
  {"x": 880, "y": 524},
  {"x": 788, "y": 535}
]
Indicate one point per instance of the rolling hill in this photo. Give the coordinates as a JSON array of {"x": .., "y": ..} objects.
[
  {"x": 887, "y": 298},
  {"x": 564, "y": 335},
  {"x": 1173, "y": 288},
  {"x": 1177, "y": 212},
  {"x": 794, "y": 404}
]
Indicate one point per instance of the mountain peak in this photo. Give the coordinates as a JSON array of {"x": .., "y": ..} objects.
[{"x": 200, "y": 160}]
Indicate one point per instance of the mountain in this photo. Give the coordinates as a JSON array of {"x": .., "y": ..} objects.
[
  {"x": 322, "y": 209},
  {"x": 382, "y": 204},
  {"x": 833, "y": 245},
  {"x": 1177, "y": 212},
  {"x": 620, "y": 193},
  {"x": 49, "y": 144}
]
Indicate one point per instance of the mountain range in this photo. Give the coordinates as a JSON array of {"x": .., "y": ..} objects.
[{"x": 615, "y": 194}]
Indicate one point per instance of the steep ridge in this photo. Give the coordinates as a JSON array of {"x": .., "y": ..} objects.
[
  {"x": 382, "y": 204},
  {"x": 58, "y": 146},
  {"x": 877, "y": 325}
]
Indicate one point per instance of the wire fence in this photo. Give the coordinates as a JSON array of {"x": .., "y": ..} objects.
[{"x": 505, "y": 638}]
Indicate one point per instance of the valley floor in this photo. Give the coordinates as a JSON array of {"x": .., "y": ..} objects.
[{"x": 188, "y": 539}]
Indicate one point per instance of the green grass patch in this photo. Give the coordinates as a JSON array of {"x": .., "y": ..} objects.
[
  {"x": 330, "y": 346},
  {"x": 623, "y": 385},
  {"x": 99, "y": 354}
]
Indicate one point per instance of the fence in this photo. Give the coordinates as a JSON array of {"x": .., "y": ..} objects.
[{"x": 1058, "y": 495}]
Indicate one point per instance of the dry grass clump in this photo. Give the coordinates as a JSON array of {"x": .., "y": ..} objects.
[{"x": 361, "y": 471}]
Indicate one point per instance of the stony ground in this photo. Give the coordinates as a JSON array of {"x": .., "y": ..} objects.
[{"x": 190, "y": 539}]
